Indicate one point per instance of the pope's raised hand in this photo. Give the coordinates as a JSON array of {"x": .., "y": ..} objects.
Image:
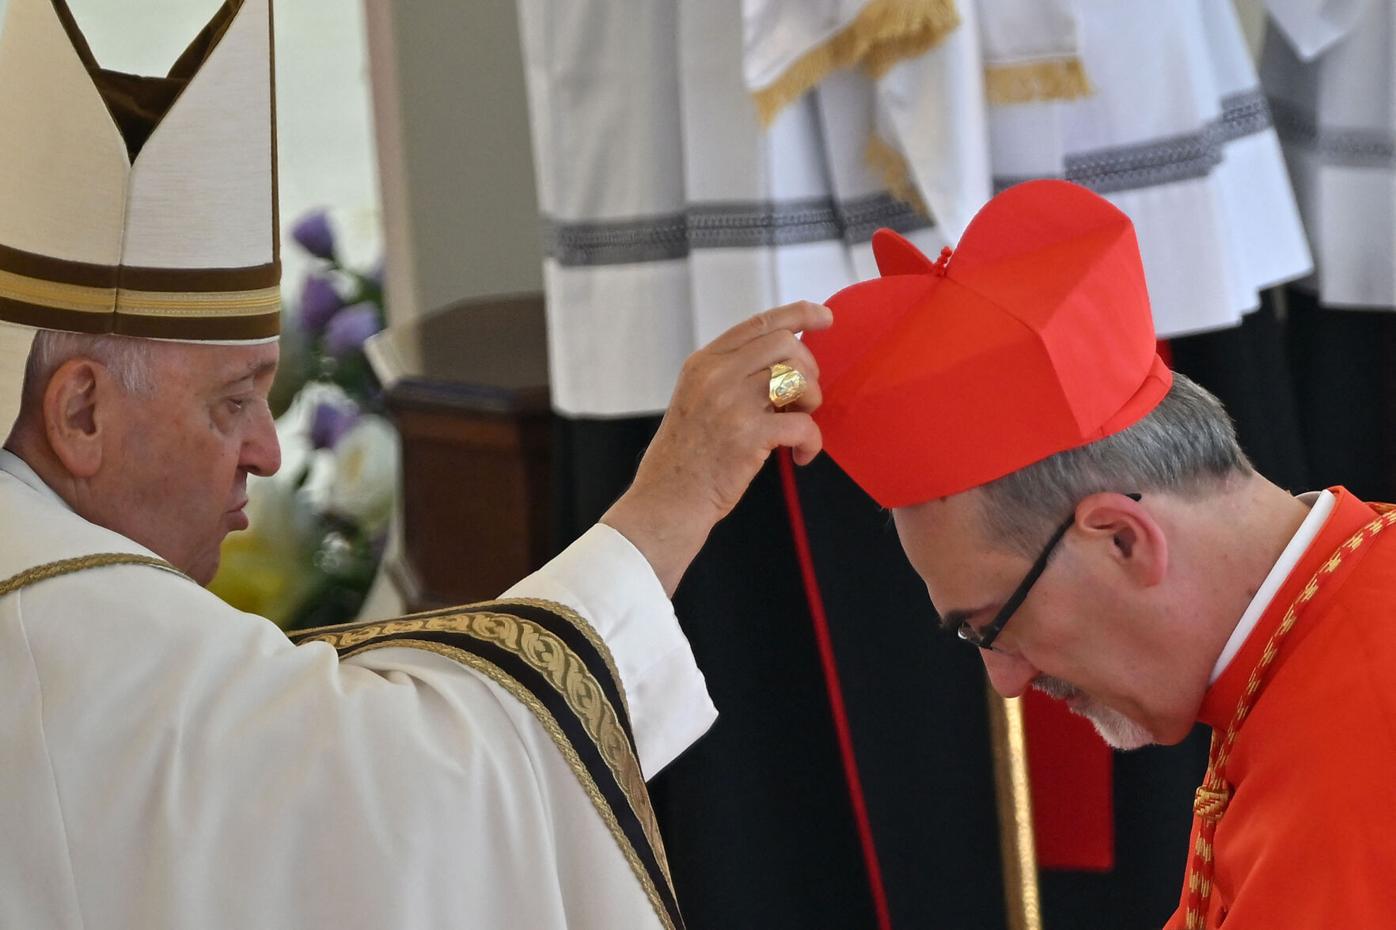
[{"x": 717, "y": 433}]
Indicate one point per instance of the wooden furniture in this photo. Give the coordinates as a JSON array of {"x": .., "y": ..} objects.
[{"x": 468, "y": 389}]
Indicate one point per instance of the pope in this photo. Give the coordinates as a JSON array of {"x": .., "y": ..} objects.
[
  {"x": 1085, "y": 518},
  {"x": 172, "y": 762}
]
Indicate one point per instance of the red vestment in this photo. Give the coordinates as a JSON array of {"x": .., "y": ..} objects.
[{"x": 1308, "y": 838}]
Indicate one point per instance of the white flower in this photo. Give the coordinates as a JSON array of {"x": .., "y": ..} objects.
[
  {"x": 293, "y": 427},
  {"x": 275, "y": 513},
  {"x": 279, "y": 516},
  {"x": 365, "y": 473}
]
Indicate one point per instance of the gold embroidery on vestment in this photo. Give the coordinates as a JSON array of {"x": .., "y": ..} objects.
[
  {"x": 882, "y": 34},
  {"x": 564, "y": 670},
  {"x": 582, "y": 626},
  {"x": 564, "y": 745},
  {"x": 81, "y": 563}
]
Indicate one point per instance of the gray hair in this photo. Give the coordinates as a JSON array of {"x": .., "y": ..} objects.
[
  {"x": 129, "y": 360},
  {"x": 1186, "y": 445}
]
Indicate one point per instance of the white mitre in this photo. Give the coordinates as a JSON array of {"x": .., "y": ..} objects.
[{"x": 140, "y": 206}]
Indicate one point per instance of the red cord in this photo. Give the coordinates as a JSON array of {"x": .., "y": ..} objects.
[{"x": 831, "y": 684}]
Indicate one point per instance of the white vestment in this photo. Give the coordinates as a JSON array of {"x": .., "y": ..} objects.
[
  {"x": 1177, "y": 135},
  {"x": 671, "y": 213},
  {"x": 1330, "y": 71},
  {"x": 172, "y": 762}
]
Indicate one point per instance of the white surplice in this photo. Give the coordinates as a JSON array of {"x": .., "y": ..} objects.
[
  {"x": 169, "y": 761},
  {"x": 1176, "y": 134},
  {"x": 671, "y": 212},
  {"x": 1330, "y": 71}
]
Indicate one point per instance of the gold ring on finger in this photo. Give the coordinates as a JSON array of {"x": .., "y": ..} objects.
[{"x": 787, "y": 385}]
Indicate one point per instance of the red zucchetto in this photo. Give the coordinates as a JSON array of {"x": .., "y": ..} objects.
[{"x": 1033, "y": 338}]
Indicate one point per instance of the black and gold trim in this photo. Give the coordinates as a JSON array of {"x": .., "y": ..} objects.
[{"x": 554, "y": 663}]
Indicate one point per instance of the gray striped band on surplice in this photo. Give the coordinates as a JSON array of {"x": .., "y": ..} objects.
[
  {"x": 1345, "y": 148},
  {"x": 1183, "y": 157},
  {"x": 1243, "y": 114},
  {"x": 727, "y": 226},
  {"x": 819, "y": 219}
]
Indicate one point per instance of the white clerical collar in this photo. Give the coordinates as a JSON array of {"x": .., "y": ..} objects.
[
  {"x": 19, "y": 469},
  {"x": 1320, "y": 505}
]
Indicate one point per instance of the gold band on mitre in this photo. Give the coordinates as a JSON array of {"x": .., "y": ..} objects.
[{"x": 84, "y": 298}]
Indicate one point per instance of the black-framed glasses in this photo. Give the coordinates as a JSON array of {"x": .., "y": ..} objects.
[{"x": 984, "y": 638}]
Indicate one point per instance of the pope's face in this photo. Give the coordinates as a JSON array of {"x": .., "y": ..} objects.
[
  {"x": 1066, "y": 639},
  {"x": 177, "y": 475}
]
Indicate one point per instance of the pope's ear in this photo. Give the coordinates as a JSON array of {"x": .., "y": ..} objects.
[
  {"x": 75, "y": 409},
  {"x": 1128, "y": 533}
]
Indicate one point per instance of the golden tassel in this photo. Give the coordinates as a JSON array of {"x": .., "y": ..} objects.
[
  {"x": 940, "y": 20},
  {"x": 1054, "y": 79},
  {"x": 885, "y": 32},
  {"x": 891, "y": 166}
]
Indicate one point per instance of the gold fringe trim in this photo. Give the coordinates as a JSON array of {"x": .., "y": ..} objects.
[
  {"x": 891, "y": 166},
  {"x": 882, "y": 57},
  {"x": 1055, "y": 79},
  {"x": 885, "y": 32}
]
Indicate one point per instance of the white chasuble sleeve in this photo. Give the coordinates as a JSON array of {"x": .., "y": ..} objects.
[
  {"x": 669, "y": 703},
  {"x": 197, "y": 769}
]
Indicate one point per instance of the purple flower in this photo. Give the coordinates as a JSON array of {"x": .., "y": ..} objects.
[
  {"x": 320, "y": 301},
  {"x": 314, "y": 234},
  {"x": 329, "y": 422},
  {"x": 346, "y": 333}
]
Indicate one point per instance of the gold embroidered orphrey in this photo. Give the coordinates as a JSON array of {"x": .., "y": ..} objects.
[
  {"x": 1215, "y": 793},
  {"x": 550, "y": 656},
  {"x": 82, "y": 563}
]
